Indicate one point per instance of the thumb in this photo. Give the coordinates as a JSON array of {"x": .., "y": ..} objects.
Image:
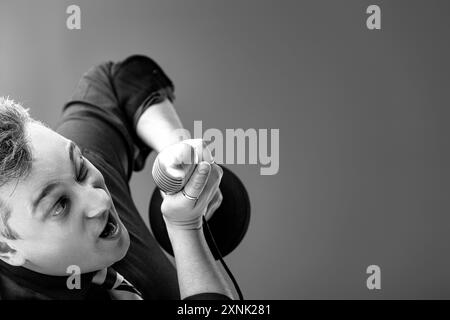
[{"x": 198, "y": 180}]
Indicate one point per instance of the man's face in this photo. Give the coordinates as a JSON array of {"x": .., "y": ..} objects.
[{"x": 75, "y": 223}]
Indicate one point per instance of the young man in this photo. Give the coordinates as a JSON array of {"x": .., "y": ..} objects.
[{"x": 65, "y": 202}]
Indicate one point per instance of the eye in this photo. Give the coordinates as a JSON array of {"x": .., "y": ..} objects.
[{"x": 60, "y": 206}]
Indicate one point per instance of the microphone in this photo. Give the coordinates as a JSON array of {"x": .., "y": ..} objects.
[
  {"x": 172, "y": 169},
  {"x": 174, "y": 165}
]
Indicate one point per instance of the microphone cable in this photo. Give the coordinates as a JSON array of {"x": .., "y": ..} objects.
[{"x": 236, "y": 286}]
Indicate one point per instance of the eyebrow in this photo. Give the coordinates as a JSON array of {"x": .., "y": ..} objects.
[{"x": 49, "y": 187}]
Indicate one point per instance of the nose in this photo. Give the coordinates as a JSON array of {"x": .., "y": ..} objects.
[{"x": 97, "y": 202}]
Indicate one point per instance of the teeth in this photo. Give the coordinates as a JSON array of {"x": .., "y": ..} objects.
[{"x": 110, "y": 228}]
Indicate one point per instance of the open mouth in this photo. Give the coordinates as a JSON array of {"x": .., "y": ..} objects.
[{"x": 111, "y": 229}]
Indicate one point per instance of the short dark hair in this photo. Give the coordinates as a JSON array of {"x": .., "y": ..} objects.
[{"x": 15, "y": 155}]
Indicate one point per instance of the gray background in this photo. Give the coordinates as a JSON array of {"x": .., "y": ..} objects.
[{"x": 363, "y": 118}]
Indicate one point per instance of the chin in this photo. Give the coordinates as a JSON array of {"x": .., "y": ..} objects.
[{"x": 117, "y": 253}]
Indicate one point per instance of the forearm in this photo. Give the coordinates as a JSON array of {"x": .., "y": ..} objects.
[
  {"x": 159, "y": 126},
  {"x": 196, "y": 268}
]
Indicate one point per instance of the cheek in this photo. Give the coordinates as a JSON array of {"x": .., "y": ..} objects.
[
  {"x": 55, "y": 252},
  {"x": 56, "y": 239},
  {"x": 25, "y": 228},
  {"x": 53, "y": 237},
  {"x": 49, "y": 231}
]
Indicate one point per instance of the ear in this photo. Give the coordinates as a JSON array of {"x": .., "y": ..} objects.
[{"x": 9, "y": 255}]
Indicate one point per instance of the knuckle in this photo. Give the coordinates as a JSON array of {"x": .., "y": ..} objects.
[
  {"x": 217, "y": 172},
  {"x": 198, "y": 184},
  {"x": 166, "y": 207},
  {"x": 213, "y": 175}
]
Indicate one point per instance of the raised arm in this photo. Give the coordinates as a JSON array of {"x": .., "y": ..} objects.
[
  {"x": 158, "y": 126},
  {"x": 120, "y": 94},
  {"x": 198, "y": 273}
]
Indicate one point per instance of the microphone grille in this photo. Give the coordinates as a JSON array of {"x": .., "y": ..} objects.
[{"x": 164, "y": 181}]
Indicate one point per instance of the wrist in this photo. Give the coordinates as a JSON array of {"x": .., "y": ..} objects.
[
  {"x": 176, "y": 226},
  {"x": 184, "y": 237}
]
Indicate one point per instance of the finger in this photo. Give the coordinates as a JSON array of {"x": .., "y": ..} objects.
[
  {"x": 214, "y": 204},
  {"x": 205, "y": 152},
  {"x": 212, "y": 185},
  {"x": 216, "y": 198},
  {"x": 198, "y": 180},
  {"x": 177, "y": 160},
  {"x": 211, "y": 205},
  {"x": 181, "y": 153}
]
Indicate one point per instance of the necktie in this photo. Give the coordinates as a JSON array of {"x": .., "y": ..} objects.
[{"x": 118, "y": 287}]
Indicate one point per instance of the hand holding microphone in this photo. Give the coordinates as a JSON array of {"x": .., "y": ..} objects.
[{"x": 189, "y": 179}]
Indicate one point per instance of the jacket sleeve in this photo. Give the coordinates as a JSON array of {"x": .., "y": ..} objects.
[{"x": 105, "y": 107}]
